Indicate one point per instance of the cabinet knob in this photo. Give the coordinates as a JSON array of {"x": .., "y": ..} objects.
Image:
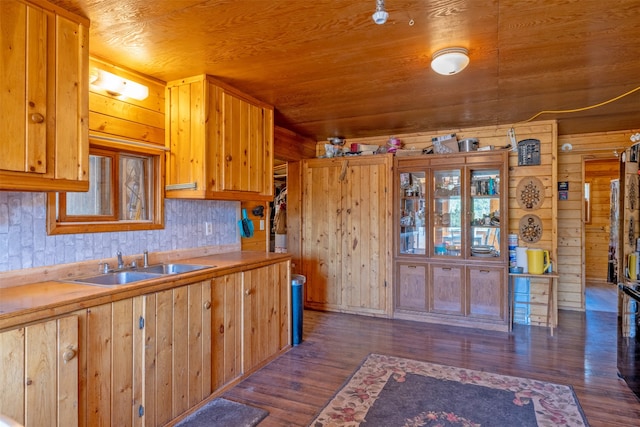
[
  {"x": 37, "y": 118},
  {"x": 207, "y": 305},
  {"x": 68, "y": 355},
  {"x": 228, "y": 158},
  {"x": 247, "y": 292},
  {"x": 221, "y": 329}
]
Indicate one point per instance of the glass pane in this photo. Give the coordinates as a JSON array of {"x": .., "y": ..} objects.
[
  {"x": 447, "y": 209},
  {"x": 97, "y": 201},
  {"x": 412, "y": 213},
  {"x": 135, "y": 181},
  {"x": 485, "y": 213}
]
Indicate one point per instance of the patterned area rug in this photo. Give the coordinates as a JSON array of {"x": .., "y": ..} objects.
[{"x": 389, "y": 391}]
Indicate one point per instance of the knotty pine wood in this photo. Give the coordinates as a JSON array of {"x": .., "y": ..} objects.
[
  {"x": 571, "y": 236},
  {"x": 599, "y": 173},
  {"x": 295, "y": 386}
]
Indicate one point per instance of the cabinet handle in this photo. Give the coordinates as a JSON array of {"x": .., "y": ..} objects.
[
  {"x": 228, "y": 158},
  {"x": 247, "y": 292},
  {"x": 68, "y": 355},
  {"x": 446, "y": 268},
  {"x": 412, "y": 266},
  {"x": 207, "y": 305},
  {"x": 484, "y": 271},
  {"x": 221, "y": 329},
  {"x": 29, "y": 381},
  {"x": 37, "y": 118}
]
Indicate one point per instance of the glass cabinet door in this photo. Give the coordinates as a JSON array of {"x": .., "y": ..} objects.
[
  {"x": 447, "y": 213},
  {"x": 484, "y": 192},
  {"x": 412, "y": 227}
]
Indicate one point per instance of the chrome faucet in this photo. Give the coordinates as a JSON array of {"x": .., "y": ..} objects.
[
  {"x": 120, "y": 262},
  {"x": 146, "y": 259}
]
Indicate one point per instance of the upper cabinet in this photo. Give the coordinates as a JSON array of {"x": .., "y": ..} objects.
[
  {"x": 220, "y": 142},
  {"x": 44, "y": 135}
]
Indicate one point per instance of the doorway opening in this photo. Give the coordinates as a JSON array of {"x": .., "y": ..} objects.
[{"x": 601, "y": 233}]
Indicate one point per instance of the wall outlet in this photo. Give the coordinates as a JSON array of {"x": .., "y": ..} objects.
[{"x": 208, "y": 229}]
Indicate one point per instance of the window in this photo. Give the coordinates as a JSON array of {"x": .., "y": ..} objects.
[{"x": 125, "y": 192}]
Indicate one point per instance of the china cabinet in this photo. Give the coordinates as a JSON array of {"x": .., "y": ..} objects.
[
  {"x": 450, "y": 238},
  {"x": 45, "y": 127}
]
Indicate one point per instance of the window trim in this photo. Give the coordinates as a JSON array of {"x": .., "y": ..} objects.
[{"x": 56, "y": 226}]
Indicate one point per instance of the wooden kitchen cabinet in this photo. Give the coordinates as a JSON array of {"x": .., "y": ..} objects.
[
  {"x": 220, "y": 142},
  {"x": 266, "y": 313},
  {"x": 39, "y": 373},
  {"x": 450, "y": 220},
  {"x": 148, "y": 358},
  {"x": 346, "y": 234},
  {"x": 226, "y": 334},
  {"x": 45, "y": 132}
]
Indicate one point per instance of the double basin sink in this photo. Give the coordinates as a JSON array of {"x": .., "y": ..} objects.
[{"x": 125, "y": 277}]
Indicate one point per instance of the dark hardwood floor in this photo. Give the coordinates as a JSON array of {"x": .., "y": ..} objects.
[{"x": 582, "y": 354}]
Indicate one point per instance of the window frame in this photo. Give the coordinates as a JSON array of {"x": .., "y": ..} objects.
[{"x": 72, "y": 224}]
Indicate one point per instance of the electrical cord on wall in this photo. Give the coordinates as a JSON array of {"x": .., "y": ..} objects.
[{"x": 575, "y": 110}]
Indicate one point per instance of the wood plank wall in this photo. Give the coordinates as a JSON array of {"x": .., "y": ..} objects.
[
  {"x": 127, "y": 118},
  {"x": 546, "y": 132},
  {"x": 599, "y": 173},
  {"x": 571, "y": 235}
]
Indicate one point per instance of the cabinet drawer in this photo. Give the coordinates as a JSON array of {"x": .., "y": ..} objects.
[
  {"x": 446, "y": 286},
  {"x": 486, "y": 290}
]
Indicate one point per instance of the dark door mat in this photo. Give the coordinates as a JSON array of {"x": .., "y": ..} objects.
[{"x": 222, "y": 412}]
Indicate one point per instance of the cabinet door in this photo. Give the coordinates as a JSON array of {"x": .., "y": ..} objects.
[
  {"x": 39, "y": 373},
  {"x": 411, "y": 293},
  {"x": 45, "y": 140},
  {"x": 413, "y": 214},
  {"x": 226, "y": 319},
  {"x": 486, "y": 292},
  {"x": 447, "y": 213},
  {"x": 485, "y": 211},
  {"x": 322, "y": 233},
  {"x": 365, "y": 240},
  {"x": 183, "y": 350},
  {"x": 262, "y": 313},
  {"x": 243, "y": 145},
  {"x": 446, "y": 289}
]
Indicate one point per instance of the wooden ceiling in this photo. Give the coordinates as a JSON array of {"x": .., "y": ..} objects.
[{"x": 329, "y": 70}]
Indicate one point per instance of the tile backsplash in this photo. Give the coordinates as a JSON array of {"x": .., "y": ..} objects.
[{"x": 24, "y": 242}]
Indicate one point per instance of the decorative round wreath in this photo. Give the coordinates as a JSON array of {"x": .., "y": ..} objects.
[
  {"x": 530, "y": 193},
  {"x": 530, "y": 228}
]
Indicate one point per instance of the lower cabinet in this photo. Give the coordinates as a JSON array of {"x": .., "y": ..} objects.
[
  {"x": 39, "y": 373},
  {"x": 266, "y": 320},
  {"x": 457, "y": 294},
  {"x": 226, "y": 334},
  {"x": 145, "y": 360}
]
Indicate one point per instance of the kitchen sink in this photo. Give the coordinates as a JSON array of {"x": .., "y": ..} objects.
[
  {"x": 117, "y": 278},
  {"x": 173, "y": 268}
]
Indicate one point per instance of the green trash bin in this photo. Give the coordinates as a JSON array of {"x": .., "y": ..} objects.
[{"x": 297, "y": 307}]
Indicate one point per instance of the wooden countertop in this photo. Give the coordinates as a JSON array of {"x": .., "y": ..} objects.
[{"x": 47, "y": 299}]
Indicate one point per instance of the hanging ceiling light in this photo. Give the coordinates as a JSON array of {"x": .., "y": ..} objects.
[
  {"x": 381, "y": 15},
  {"x": 450, "y": 61}
]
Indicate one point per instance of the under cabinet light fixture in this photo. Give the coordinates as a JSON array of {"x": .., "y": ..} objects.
[
  {"x": 450, "y": 61},
  {"x": 380, "y": 16},
  {"x": 116, "y": 85}
]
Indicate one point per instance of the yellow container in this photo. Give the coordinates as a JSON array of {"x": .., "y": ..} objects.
[
  {"x": 537, "y": 261},
  {"x": 632, "y": 266}
]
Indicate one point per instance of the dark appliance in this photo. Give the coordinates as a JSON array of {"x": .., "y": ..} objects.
[{"x": 629, "y": 336}]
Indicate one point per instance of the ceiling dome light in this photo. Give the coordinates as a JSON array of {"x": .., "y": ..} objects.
[
  {"x": 381, "y": 15},
  {"x": 450, "y": 61}
]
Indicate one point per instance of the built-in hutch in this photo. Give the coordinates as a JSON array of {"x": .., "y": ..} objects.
[{"x": 450, "y": 227}]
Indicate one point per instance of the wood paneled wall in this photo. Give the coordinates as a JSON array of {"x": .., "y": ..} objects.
[
  {"x": 127, "y": 118},
  {"x": 571, "y": 235},
  {"x": 599, "y": 173}
]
